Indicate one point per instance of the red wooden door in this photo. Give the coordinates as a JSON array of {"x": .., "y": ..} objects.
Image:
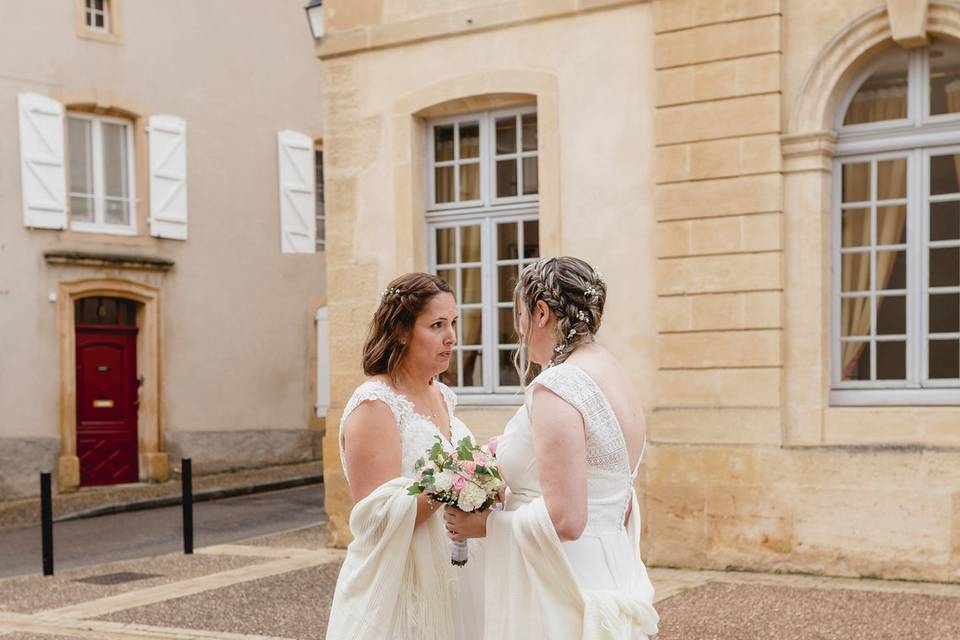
[{"x": 107, "y": 404}]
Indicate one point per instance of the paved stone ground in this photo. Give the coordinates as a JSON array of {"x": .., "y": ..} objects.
[{"x": 279, "y": 586}]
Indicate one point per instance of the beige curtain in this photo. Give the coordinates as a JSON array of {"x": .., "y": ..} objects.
[{"x": 871, "y": 106}]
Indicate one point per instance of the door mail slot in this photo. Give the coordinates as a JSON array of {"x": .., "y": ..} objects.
[
  {"x": 103, "y": 367},
  {"x": 103, "y": 404}
]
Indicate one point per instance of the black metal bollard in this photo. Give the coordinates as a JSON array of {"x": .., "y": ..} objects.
[
  {"x": 46, "y": 522},
  {"x": 186, "y": 477}
]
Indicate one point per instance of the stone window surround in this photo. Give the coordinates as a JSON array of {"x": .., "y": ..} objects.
[
  {"x": 114, "y": 21},
  {"x": 808, "y": 149},
  {"x": 150, "y": 439},
  {"x": 107, "y": 104}
]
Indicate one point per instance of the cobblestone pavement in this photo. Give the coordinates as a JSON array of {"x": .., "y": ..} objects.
[{"x": 280, "y": 586}]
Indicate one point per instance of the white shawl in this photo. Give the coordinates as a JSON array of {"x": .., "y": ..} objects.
[
  {"x": 394, "y": 583},
  {"x": 532, "y": 591}
]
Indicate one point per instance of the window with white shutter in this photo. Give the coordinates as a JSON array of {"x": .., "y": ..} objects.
[
  {"x": 168, "y": 177},
  {"x": 295, "y": 152},
  {"x": 42, "y": 169},
  {"x": 101, "y": 174}
]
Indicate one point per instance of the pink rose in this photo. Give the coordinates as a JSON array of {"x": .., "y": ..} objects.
[
  {"x": 492, "y": 444},
  {"x": 458, "y": 483},
  {"x": 469, "y": 467}
]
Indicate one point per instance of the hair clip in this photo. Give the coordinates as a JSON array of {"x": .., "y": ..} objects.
[
  {"x": 558, "y": 348},
  {"x": 389, "y": 291},
  {"x": 572, "y": 333},
  {"x": 591, "y": 292},
  {"x": 582, "y": 315}
]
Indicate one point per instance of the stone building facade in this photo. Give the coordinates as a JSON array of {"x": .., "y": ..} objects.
[{"x": 769, "y": 187}]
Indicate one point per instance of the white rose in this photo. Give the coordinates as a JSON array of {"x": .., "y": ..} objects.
[
  {"x": 471, "y": 497},
  {"x": 443, "y": 481}
]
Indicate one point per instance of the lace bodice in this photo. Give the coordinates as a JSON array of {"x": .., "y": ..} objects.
[
  {"x": 417, "y": 431},
  {"x": 609, "y": 476}
]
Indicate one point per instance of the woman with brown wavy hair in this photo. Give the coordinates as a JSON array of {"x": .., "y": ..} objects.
[{"x": 397, "y": 581}]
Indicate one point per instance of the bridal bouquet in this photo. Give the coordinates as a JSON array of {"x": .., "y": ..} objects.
[{"x": 466, "y": 478}]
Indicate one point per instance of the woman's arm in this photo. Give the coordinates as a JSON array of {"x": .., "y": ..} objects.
[
  {"x": 559, "y": 444},
  {"x": 372, "y": 449}
]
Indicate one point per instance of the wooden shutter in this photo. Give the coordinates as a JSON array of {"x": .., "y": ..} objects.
[
  {"x": 168, "y": 177},
  {"x": 42, "y": 170},
  {"x": 297, "y": 200}
]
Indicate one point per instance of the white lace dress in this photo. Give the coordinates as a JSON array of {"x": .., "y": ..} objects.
[
  {"x": 418, "y": 434},
  {"x": 606, "y": 557}
]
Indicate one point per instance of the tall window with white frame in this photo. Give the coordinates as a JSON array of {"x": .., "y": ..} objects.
[
  {"x": 482, "y": 222},
  {"x": 896, "y": 232},
  {"x": 101, "y": 171},
  {"x": 321, "y": 218},
  {"x": 98, "y": 15}
]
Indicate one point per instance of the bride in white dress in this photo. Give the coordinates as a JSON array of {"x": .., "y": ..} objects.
[
  {"x": 397, "y": 582},
  {"x": 563, "y": 558}
]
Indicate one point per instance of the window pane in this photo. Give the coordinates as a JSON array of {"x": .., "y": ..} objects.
[
  {"x": 944, "y": 313},
  {"x": 470, "y": 243},
  {"x": 891, "y": 179},
  {"x": 117, "y": 212},
  {"x": 505, "y": 331},
  {"x": 443, "y": 143},
  {"x": 506, "y": 178},
  {"x": 446, "y": 245},
  {"x": 884, "y": 94},
  {"x": 891, "y": 316},
  {"x": 891, "y": 360},
  {"x": 944, "y": 86},
  {"x": 856, "y": 182},
  {"x": 507, "y": 241},
  {"x": 473, "y": 368},
  {"x": 529, "y": 132},
  {"x": 531, "y": 239},
  {"x": 508, "y": 373},
  {"x": 892, "y": 225},
  {"x": 81, "y": 208},
  {"x": 891, "y": 270},
  {"x": 855, "y": 227},
  {"x": 944, "y": 358},
  {"x": 471, "y": 323},
  {"x": 469, "y": 182},
  {"x": 945, "y": 267},
  {"x": 470, "y": 140},
  {"x": 855, "y": 272},
  {"x": 98, "y": 20},
  {"x": 471, "y": 284},
  {"x": 98, "y": 4},
  {"x": 943, "y": 174},
  {"x": 449, "y": 377},
  {"x": 444, "y": 187},
  {"x": 945, "y": 220},
  {"x": 506, "y": 135},
  {"x": 856, "y": 360},
  {"x": 450, "y": 277},
  {"x": 81, "y": 155},
  {"x": 531, "y": 183},
  {"x": 855, "y": 317},
  {"x": 506, "y": 281}
]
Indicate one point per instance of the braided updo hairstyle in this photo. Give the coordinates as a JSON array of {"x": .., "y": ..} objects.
[
  {"x": 575, "y": 293},
  {"x": 402, "y": 302}
]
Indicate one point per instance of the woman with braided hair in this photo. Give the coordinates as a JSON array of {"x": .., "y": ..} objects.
[
  {"x": 397, "y": 582},
  {"x": 563, "y": 557}
]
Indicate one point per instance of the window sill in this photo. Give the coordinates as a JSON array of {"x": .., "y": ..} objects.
[
  {"x": 489, "y": 400},
  {"x": 894, "y": 397}
]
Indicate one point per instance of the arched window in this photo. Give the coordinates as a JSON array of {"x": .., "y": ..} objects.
[{"x": 896, "y": 231}]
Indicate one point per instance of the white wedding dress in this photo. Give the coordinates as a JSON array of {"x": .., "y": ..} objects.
[
  {"x": 397, "y": 582},
  {"x": 593, "y": 587}
]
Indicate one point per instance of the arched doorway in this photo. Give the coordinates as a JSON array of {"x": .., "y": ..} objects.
[{"x": 106, "y": 390}]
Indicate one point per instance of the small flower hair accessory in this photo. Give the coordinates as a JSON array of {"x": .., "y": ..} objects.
[
  {"x": 389, "y": 291},
  {"x": 591, "y": 292},
  {"x": 582, "y": 315},
  {"x": 598, "y": 276},
  {"x": 558, "y": 348},
  {"x": 572, "y": 333}
]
